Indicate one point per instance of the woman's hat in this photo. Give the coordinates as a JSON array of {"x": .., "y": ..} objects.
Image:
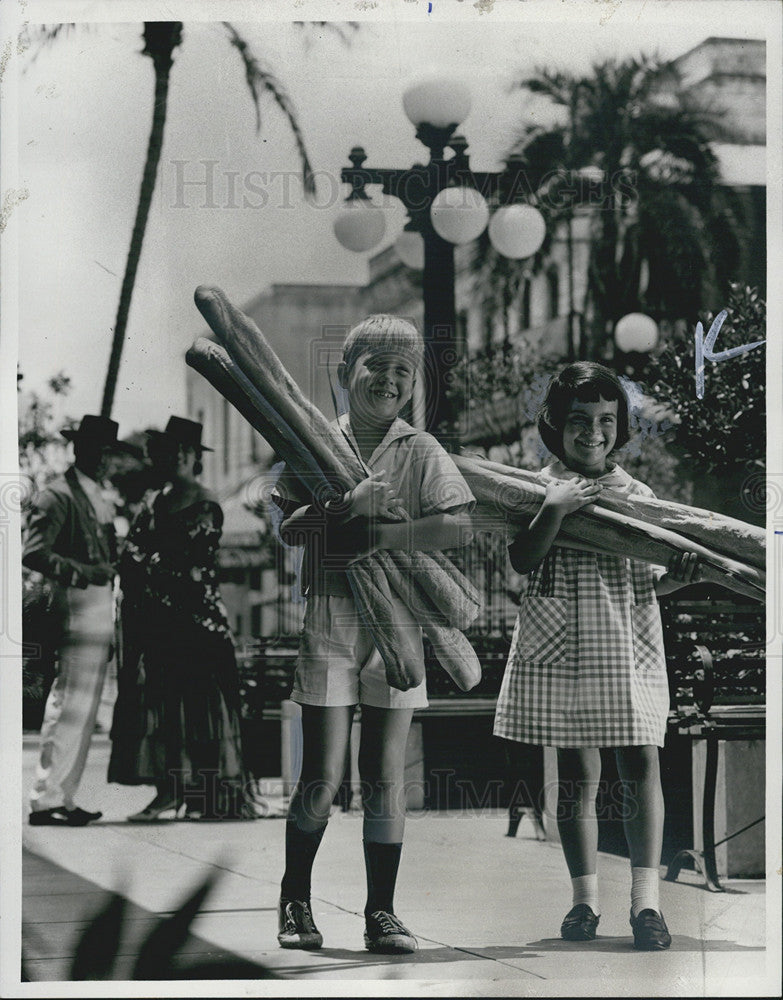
[
  {"x": 184, "y": 432},
  {"x": 97, "y": 430}
]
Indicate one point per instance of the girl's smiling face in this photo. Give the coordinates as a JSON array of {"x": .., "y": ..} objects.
[
  {"x": 379, "y": 384},
  {"x": 589, "y": 436}
]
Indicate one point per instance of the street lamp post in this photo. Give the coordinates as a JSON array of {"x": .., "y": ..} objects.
[
  {"x": 417, "y": 188},
  {"x": 445, "y": 203}
]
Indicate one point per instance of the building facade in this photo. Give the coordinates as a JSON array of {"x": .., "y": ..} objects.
[{"x": 728, "y": 75}]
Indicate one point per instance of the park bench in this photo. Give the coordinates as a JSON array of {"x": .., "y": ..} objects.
[
  {"x": 715, "y": 644},
  {"x": 715, "y": 656},
  {"x": 715, "y": 650}
]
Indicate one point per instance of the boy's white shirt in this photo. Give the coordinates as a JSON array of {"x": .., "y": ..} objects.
[
  {"x": 395, "y": 462},
  {"x": 436, "y": 488}
]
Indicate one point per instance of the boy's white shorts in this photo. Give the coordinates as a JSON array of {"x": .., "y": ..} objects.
[{"x": 338, "y": 663}]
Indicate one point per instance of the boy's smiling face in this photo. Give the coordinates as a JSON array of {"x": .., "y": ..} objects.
[{"x": 379, "y": 384}]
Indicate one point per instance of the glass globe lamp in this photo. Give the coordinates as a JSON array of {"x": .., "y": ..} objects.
[
  {"x": 360, "y": 226},
  {"x": 459, "y": 214}
]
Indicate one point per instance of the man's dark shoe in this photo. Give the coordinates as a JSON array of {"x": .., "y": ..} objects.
[
  {"x": 385, "y": 934},
  {"x": 80, "y": 817},
  {"x": 579, "y": 924},
  {"x": 296, "y": 925},
  {"x": 650, "y": 932},
  {"x": 59, "y": 816}
]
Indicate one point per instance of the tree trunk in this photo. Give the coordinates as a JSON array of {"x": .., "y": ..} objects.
[{"x": 161, "y": 38}]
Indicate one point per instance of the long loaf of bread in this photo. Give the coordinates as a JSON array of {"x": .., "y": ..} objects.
[
  {"x": 366, "y": 579},
  {"x": 728, "y": 535},
  {"x": 504, "y": 496},
  {"x": 247, "y": 372}
]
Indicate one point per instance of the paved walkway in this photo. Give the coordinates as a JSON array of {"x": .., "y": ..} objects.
[{"x": 485, "y": 908}]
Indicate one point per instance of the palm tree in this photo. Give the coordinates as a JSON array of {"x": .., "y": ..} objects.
[
  {"x": 632, "y": 153},
  {"x": 161, "y": 39}
]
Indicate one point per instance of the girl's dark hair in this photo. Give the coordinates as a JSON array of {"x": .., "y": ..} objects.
[{"x": 588, "y": 382}]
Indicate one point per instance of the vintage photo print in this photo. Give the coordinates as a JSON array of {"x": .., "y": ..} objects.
[{"x": 390, "y": 473}]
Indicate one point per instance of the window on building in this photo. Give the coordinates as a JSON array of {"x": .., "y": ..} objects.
[
  {"x": 524, "y": 315},
  {"x": 253, "y": 445},
  {"x": 553, "y": 292}
]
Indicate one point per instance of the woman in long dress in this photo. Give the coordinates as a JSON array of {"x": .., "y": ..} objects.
[{"x": 177, "y": 719}]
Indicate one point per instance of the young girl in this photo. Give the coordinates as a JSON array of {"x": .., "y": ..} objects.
[
  {"x": 586, "y": 667},
  {"x": 338, "y": 665}
]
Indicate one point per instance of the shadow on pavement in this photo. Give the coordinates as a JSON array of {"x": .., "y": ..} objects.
[
  {"x": 680, "y": 942},
  {"x": 106, "y": 946}
]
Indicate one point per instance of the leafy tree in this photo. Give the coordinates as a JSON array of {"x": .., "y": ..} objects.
[
  {"x": 633, "y": 154},
  {"x": 161, "y": 39},
  {"x": 722, "y": 436},
  {"x": 42, "y": 451}
]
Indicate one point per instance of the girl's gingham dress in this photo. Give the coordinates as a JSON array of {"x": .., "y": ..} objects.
[{"x": 586, "y": 666}]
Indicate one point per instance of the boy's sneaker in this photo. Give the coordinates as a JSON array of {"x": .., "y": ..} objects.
[
  {"x": 387, "y": 935},
  {"x": 650, "y": 932},
  {"x": 296, "y": 925}
]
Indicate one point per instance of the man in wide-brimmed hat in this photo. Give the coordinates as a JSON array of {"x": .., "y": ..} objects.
[{"x": 70, "y": 540}]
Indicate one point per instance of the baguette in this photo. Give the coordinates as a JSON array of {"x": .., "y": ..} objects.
[
  {"x": 733, "y": 538},
  {"x": 212, "y": 361},
  {"x": 255, "y": 359},
  {"x": 248, "y": 347},
  {"x": 456, "y": 655},
  {"x": 401, "y": 655},
  {"x": 610, "y": 532},
  {"x": 448, "y": 592},
  {"x": 371, "y": 593}
]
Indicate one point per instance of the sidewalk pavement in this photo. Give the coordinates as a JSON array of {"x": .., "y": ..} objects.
[{"x": 485, "y": 908}]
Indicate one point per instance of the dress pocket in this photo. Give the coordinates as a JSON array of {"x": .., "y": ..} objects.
[
  {"x": 647, "y": 636},
  {"x": 543, "y": 630}
]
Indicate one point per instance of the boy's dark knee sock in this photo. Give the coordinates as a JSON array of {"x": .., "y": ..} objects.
[
  {"x": 381, "y": 862},
  {"x": 301, "y": 846}
]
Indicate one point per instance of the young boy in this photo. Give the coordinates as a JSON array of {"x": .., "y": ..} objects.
[{"x": 338, "y": 665}]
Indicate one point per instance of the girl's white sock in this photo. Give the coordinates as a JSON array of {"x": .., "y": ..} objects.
[
  {"x": 644, "y": 890},
  {"x": 584, "y": 889}
]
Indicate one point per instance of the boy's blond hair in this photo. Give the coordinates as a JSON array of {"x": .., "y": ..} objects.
[{"x": 383, "y": 332}]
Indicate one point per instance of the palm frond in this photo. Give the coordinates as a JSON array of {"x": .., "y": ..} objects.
[
  {"x": 548, "y": 83},
  {"x": 259, "y": 80},
  {"x": 342, "y": 29},
  {"x": 46, "y": 35},
  {"x": 43, "y": 37}
]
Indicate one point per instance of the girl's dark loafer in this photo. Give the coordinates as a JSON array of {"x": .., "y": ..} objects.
[
  {"x": 650, "y": 932},
  {"x": 579, "y": 924}
]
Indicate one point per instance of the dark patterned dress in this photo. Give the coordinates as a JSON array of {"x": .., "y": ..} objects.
[{"x": 178, "y": 712}]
